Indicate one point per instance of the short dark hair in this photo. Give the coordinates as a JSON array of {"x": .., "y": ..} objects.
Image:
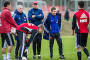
[
  {"x": 53, "y": 8},
  {"x": 81, "y": 4},
  {"x": 6, "y": 3}
]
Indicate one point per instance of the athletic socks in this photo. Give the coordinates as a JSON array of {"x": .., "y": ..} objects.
[
  {"x": 8, "y": 55},
  {"x": 86, "y": 51},
  {"x": 79, "y": 55},
  {"x": 4, "y": 57}
]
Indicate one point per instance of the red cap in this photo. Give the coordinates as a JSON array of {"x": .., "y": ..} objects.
[{"x": 35, "y": 2}]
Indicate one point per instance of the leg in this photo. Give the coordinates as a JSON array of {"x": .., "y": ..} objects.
[
  {"x": 86, "y": 51},
  {"x": 39, "y": 45},
  {"x": 51, "y": 42},
  {"x": 17, "y": 45},
  {"x": 84, "y": 43},
  {"x": 10, "y": 43},
  {"x": 4, "y": 45},
  {"x": 22, "y": 38},
  {"x": 78, "y": 38},
  {"x": 59, "y": 42},
  {"x": 25, "y": 52},
  {"x": 34, "y": 47},
  {"x": 79, "y": 53}
]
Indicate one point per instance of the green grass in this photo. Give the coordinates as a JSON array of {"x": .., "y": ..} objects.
[{"x": 69, "y": 49}]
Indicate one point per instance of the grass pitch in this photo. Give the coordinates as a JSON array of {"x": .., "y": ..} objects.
[{"x": 69, "y": 49}]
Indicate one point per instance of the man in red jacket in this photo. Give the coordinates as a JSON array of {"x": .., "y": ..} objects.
[
  {"x": 80, "y": 25},
  {"x": 22, "y": 31},
  {"x": 6, "y": 22}
]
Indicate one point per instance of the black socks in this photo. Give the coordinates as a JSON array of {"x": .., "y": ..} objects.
[
  {"x": 79, "y": 55},
  {"x": 86, "y": 51}
]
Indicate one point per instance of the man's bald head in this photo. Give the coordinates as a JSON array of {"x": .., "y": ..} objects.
[{"x": 20, "y": 8}]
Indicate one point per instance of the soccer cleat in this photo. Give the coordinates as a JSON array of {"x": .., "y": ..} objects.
[
  {"x": 51, "y": 56},
  {"x": 16, "y": 59},
  {"x": 39, "y": 56},
  {"x": 88, "y": 57},
  {"x": 34, "y": 57},
  {"x": 9, "y": 59},
  {"x": 24, "y": 58},
  {"x": 62, "y": 57}
]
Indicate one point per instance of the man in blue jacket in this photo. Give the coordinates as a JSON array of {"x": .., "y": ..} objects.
[
  {"x": 19, "y": 15},
  {"x": 19, "y": 18},
  {"x": 53, "y": 26},
  {"x": 35, "y": 16}
]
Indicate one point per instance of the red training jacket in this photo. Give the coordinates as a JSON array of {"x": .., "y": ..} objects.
[
  {"x": 80, "y": 21},
  {"x": 6, "y": 21},
  {"x": 28, "y": 26}
]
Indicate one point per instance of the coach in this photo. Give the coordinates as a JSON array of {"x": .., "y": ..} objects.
[
  {"x": 19, "y": 17},
  {"x": 35, "y": 16}
]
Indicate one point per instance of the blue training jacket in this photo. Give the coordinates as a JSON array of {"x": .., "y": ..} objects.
[
  {"x": 52, "y": 25},
  {"x": 19, "y": 17},
  {"x": 39, "y": 16}
]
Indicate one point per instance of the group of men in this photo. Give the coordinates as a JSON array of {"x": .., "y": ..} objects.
[{"x": 51, "y": 27}]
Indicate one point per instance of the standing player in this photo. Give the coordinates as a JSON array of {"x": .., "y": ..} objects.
[
  {"x": 80, "y": 25},
  {"x": 35, "y": 16},
  {"x": 53, "y": 26},
  {"x": 22, "y": 30},
  {"x": 19, "y": 18},
  {"x": 6, "y": 23}
]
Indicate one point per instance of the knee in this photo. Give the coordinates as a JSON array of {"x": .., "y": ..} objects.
[
  {"x": 51, "y": 45},
  {"x": 83, "y": 48},
  {"x": 3, "y": 50},
  {"x": 60, "y": 42},
  {"x": 78, "y": 49}
]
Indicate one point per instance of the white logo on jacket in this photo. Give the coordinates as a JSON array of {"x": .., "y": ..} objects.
[{"x": 83, "y": 18}]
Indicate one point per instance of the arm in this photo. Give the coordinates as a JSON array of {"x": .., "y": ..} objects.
[
  {"x": 10, "y": 20},
  {"x": 73, "y": 24},
  {"x": 26, "y": 21},
  {"x": 30, "y": 16},
  {"x": 46, "y": 24},
  {"x": 59, "y": 21},
  {"x": 15, "y": 17},
  {"x": 40, "y": 16},
  {"x": 88, "y": 21}
]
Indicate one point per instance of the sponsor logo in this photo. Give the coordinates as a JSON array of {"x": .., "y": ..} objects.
[
  {"x": 83, "y": 16},
  {"x": 83, "y": 20}
]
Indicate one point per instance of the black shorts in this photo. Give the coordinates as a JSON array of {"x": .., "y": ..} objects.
[
  {"x": 7, "y": 39},
  {"x": 81, "y": 39}
]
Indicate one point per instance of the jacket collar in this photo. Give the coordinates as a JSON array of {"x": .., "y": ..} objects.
[
  {"x": 81, "y": 9},
  {"x": 35, "y": 9},
  {"x": 18, "y": 12},
  {"x": 52, "y": 15},
  {"x": 5, "y": 8}
]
